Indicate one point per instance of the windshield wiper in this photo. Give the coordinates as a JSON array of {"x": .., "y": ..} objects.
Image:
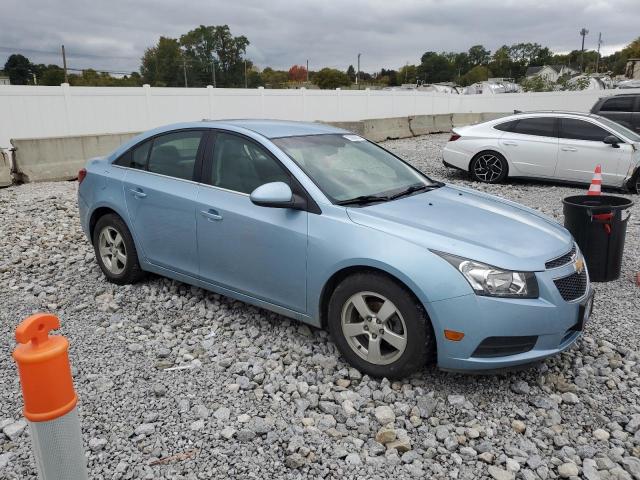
[
  {"x": 362, "y": 199},
  {"x": 412, "y": 189}
]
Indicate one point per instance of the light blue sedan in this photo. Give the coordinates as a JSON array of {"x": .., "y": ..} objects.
[{"x": 323, "y": 226}]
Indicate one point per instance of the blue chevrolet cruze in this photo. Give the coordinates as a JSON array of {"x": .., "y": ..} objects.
[{"x": 323, "y": 226}]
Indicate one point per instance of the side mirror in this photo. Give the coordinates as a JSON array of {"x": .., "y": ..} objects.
[
  {"x": 612, "y": 140},
  {"x": 274, "y": 195}
]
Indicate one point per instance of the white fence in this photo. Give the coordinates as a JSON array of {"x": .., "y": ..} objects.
[{"x": 28, "y": 112}]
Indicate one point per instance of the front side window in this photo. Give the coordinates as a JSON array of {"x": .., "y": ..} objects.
[
  {"x": 347, "y": 166},
  {"x": 242, "y": 166},
  {"x": 618, "y": 104},
  {"x": 174, "y": 154},
  {"x": 538, "y": 126},
  {"x": 580, "y": 130}
]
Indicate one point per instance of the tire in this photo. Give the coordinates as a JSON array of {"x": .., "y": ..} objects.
[
  {"x": 488, "y": 167},
  {"x": 406, "y": 325},
  {"x": 112, "y": 240}
]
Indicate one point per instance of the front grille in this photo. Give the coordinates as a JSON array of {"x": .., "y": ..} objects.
[
  {"x": 504, "y": 346},
  {"x": 572, "y": 287},
  {"x": 563, "y": 260}
]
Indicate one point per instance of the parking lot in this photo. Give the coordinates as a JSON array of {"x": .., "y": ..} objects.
[{"x": 174, "y": 380}]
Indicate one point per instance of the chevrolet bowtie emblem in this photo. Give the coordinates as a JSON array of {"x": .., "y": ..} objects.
[{"x": 579, "y": 265}]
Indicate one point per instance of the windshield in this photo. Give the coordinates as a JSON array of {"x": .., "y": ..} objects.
[
  {"x": 346, "y": 167},
  {"x": 624, "y": 131}
]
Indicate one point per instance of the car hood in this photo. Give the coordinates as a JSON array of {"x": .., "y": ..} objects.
[{"x": 470, "y": 224}]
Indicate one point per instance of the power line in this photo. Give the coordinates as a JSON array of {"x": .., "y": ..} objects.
[{"x": 80, "y": 55}]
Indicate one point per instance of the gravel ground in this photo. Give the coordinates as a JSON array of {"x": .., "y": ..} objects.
[{"x": 256, "y": 395}]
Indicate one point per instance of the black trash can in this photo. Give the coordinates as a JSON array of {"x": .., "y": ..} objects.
[{"x": 596, "y": 223}]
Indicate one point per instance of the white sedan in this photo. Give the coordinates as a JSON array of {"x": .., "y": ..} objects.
[{"x": 560, "y": 146}]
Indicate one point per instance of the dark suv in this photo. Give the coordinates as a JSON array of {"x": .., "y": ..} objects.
[{"x": 623, "y": 108}]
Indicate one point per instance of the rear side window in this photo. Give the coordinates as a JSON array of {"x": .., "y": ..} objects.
[
  {"x": 506, "y": 126},
  {"x": 174, "y": 154},
  {"x": 539, "y": 126},
  {"x": 136, "y": 157},
  {"x": 618, "y": 104},
  {"x": 580, "y": 130}
]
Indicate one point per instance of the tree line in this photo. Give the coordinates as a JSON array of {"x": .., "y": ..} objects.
[{"x": 212, "y": 55}]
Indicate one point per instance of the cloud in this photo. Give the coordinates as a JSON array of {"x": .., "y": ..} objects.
[{"x": 113, "y": 35}]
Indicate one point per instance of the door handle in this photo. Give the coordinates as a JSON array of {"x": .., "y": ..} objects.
[
  {"x": 511, "y": 144},
  {"x": 211, "y": 215},
  {"x": 137, "y": 192},
  {"x": 569, "y": 149}
]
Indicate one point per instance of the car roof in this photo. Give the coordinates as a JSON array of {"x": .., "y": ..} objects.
[{"x": 277, "y": 128}]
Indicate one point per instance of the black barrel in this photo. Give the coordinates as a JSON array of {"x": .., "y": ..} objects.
[{"x": 596, "y": 223}]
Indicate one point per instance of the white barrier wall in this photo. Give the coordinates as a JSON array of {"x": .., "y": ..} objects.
[{"x": 31, "y": 112}]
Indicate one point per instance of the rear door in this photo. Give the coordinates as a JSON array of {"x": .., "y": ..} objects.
[
  {"x": 582, "y": 149},
  {"x": 160, "y": 195},
  {"x": 619, "y": 109},
  {"x": 531, "y": 146}
]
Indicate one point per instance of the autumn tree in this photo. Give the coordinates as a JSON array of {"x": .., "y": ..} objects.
[{"x": 298, "y": 73}]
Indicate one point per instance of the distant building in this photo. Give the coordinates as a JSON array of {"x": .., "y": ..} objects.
[
  {"x": 632, "y": 70},
  {"x": 4, "y": 80},
  {"x": 551, "y": 73}
]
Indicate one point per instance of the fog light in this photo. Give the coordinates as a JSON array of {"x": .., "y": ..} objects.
[{"x": 453, "y": 335}]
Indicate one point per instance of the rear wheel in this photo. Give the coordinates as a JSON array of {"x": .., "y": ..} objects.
[
  {"x": 115, "y": 251},
  {"x": 488, "y": 167},
  {"x": 379, "y": 327}
]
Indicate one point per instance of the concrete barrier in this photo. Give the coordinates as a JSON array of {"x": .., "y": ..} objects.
[
  {"x": 6, "y": 178},
  {"x": 60, "y": 158}
]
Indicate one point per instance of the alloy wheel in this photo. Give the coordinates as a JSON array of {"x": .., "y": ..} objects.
[
  {"x": 374, "y": 328},
  {"x": 112, "y": 250},
  {"x": 488, "y": 168}
]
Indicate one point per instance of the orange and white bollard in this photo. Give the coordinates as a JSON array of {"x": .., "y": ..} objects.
[{"x": 49, "y": 399}]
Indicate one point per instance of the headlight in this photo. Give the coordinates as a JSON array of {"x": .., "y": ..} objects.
[{"x": 493, "y": 281}]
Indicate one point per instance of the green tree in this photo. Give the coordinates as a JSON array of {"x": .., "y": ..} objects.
[
  {"x": 330, "y": 78},
  {"x": 478, "y": 55},
  {"x": 407, "y": 74},
  {"x": 537, "y": 83},
  {"x": 435, "y": 67},
  {"x": 274, "y": 78},
  {"x": 479, "y": 73},
  {"x": 18, "y": 69},
  {"x": 351, "y": 73},
  {"x": 162, "y": 65},
  {"x": 206, "y": 43},
  {"x": 52, "y": 75}
]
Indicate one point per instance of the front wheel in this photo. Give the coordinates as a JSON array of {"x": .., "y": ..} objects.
[
  {"x": 379, "y": 327},
  {"x": 488, "y": 167}
]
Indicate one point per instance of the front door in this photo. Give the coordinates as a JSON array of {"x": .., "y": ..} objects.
[
  {"x": 160, "y": 196},
  {"x": 256, "y": 251},
  {"x": 531, "y": 146},
  {"x": 582, "y": 149}
]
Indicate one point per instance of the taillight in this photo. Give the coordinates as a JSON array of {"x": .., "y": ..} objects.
[
  {"x": 454, "y": 137},
  {"x": 81, "y": 174}
]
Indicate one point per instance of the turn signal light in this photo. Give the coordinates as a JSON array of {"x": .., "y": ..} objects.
[
  {"x": 81, "y": 174},
  {"x": 453, "y": 335},
  {"x": 454, "y": 137}
]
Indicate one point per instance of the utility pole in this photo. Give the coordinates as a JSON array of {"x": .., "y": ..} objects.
[
  {"x": 584, "y": 32},
  {"x": 245, "y": 73},
  {"x": 598, "y": 57},
  {"x": 35, "y": 80},
  {"x": 213, "y": 72},
  {"x": 307, "y": 70},
  {"x": 358, "y": 71},
  {"x": 64, "y": 63},
  {"x": 184, "y": 70}
]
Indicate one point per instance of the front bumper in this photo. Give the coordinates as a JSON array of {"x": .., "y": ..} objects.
[{"x": 503, "y": 332}]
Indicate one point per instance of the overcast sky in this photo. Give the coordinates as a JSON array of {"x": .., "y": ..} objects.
[{"x": 112, "y": 35}]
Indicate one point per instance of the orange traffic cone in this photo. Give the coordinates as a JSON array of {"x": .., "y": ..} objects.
[{"x": 596, "y": 183}]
